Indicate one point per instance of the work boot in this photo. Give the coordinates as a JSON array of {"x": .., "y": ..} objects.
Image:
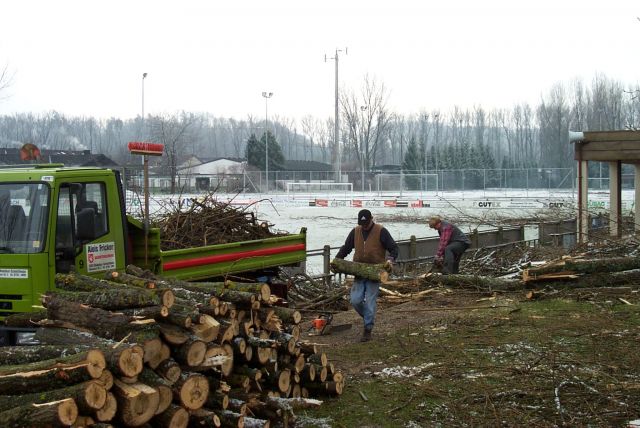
[{"x": 366, "y": 335}]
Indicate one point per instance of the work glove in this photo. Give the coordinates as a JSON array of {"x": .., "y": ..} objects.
[{"x": 437, "y": 262}]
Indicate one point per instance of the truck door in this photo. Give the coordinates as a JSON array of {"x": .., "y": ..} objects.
[{"x": 84, "y": 240}]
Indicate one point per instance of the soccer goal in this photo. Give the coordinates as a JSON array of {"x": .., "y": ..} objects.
[
  {"x": 318, "y": 187},
  {"x": 407, "y": 182}
]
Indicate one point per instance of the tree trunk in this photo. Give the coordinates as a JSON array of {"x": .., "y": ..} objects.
[
  {"x": 173, "y": 417},
  {"x": 61, "y": 413},
  {"x": 287, "y": 315},
  {"x": 470, "y": 281},
  {"x": 51, "y": 374},
  {"x": 113, "y": 299},
  {"x": 256, "y": 423},
  {"x": 88, "y": 396},
  {"x": 137, "y": 403},
  {"x": 169, "y": 370},
  {"x": 154, "y": 380},
  {"x": 191, "y": 390},
  {"x": 109, "y": 410},
  {"x": 205, "y": 419},
  {"x": 78, "y": 282},
  {"x": 25, "y": 319},
  {"x": 10, "y": 355},
  {"x": 231, "y": 419},
  {"x": 131, "y": 280},
  {"x": 125, "y": 360},
  {"x": 614, "y": 264},
  {"x": 207, "y": 331},
  {"x": 101, "y": 322},
  {"x": 191, "y": 353},
  {"x": 374, "y": 272}
]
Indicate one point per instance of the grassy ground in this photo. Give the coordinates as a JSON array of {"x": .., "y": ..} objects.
[{"x": 558, "y": 362}]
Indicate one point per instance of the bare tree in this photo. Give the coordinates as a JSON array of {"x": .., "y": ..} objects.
[
  {"x": 5, "y": 80},
  {"x": 175, "y": 133},
  {"x": 367, "y": 119}
]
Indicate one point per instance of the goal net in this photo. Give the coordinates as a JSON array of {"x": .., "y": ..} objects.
[
  {"x": 318, "y": 187},
  {"x": 407, "y": 182}
]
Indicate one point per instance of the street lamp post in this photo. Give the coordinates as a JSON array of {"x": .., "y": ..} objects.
[
  {"x": 145, "y": 169},
  {"x": 362, "y": 150},
  {"x": 266, "y": 96}
]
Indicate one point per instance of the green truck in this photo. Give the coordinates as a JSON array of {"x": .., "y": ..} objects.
[{"x": 56, "y": 219}]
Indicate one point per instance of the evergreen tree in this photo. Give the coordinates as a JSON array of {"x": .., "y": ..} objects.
[
  {"x": 412, "y": 164},
  {"x": 255, "y": 153}
]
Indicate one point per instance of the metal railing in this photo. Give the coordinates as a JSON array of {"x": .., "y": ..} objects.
[{"x": 415, "y": 252}]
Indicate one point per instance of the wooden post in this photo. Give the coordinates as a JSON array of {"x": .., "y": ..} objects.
[
  {"x": 326, "y": 255},
  {"x": 500, "y": 236},
  {"x": 474, "y": 238},
  {"x": 636, "y": 205},
  {"x": 615, "y": 198},
  {"x": 583, "y": 201},
  {"x": 413, "y": 247}
]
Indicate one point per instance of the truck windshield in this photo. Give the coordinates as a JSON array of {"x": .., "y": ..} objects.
[{"x": 24, "y": 209}]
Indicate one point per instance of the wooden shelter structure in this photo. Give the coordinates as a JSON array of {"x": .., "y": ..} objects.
[{"x": 615, "y": 148}]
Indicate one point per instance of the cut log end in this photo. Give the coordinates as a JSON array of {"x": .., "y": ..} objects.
[
  {"x": 97, "y": 363},
  {"x": 108, "y": 411},
  {"x": 131, "y": 361},
  {"x": 95, "y": 395},
  {"x": 67, "y": 411},
  {"x": 194, "y": 392}
]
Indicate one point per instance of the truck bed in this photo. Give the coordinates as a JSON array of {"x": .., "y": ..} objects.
[{"x": 217, "y": 260}]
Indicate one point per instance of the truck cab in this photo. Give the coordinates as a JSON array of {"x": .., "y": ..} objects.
[{"x": 55, "y": 219}]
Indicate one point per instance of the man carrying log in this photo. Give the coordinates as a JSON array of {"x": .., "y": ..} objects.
[
  {"x": 371, "y": 242},
  {"x": 453, "y": 244}
]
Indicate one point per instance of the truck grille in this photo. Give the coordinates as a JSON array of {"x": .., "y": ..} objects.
[
  {"x": 10, "y": 297},
  {"x": 6, "y": 305},
  {"x": 6, "y": 314}
]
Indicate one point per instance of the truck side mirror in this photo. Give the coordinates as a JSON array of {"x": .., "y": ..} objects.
[{"x": 86, "y": 224}]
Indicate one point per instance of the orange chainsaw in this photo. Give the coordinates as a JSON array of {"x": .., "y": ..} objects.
[{"x": 323, "y": 325}]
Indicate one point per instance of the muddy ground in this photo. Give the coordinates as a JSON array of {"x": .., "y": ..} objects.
[{"x": 471, "y": 358}]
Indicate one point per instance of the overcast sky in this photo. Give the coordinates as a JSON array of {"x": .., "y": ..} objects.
[{"x": 87, "y": 57}]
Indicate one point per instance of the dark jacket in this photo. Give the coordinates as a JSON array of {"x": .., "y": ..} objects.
[{"x": 450, "y": 233}]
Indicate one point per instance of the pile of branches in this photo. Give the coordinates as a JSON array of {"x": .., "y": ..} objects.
[
  {"x": 135, "y": 348},
  {"x": 196, "y": 222}
]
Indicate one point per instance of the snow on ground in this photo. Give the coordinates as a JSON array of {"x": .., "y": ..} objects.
[{"x": 330, "y": 224}]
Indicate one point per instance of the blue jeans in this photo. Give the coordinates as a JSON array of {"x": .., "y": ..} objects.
[{"x": 364, "y": 295}]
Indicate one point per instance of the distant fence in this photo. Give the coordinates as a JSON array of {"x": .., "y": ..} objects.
[{"x": 549, "y": 179}]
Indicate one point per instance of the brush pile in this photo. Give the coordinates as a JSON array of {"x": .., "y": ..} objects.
[
  {"x": 136, "y": 349},
  {"x": 197, "y": 222}
]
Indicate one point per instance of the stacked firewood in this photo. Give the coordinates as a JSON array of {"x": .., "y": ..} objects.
[{"x": 136, "y": 349}]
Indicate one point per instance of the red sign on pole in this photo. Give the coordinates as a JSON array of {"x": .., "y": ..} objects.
[{"x": 145, "y": 148}]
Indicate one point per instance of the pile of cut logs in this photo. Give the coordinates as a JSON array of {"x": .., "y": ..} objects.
[{"x": 135, "y": 349}]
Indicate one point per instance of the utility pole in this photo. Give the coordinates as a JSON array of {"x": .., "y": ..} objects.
[
  {"x": 425, "y": 117},
  {"x": 266, "y": 96},
  {"x": 336, "y": 130}
]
